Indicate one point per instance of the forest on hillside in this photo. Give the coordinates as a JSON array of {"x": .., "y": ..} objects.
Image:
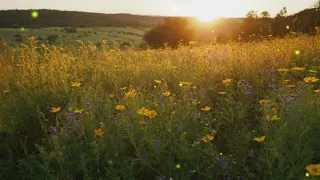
[{"x": 55, "y": 18}]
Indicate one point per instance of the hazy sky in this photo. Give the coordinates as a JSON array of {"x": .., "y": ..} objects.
[{"x": 199, "y": 8}]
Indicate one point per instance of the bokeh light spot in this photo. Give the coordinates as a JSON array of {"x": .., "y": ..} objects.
[
  {"x": 298, "y": 52},
  {"x": 22, "y": 29},
  {"x": 34, "y": 14},
  {"x": 178, "y": 166}
]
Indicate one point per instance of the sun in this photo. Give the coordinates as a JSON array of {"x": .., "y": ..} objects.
[{"x": 206, "y": 18}]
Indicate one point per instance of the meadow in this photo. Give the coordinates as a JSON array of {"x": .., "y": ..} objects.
[
  {"x": 231, "y": 111},
  {"x": 95, "y": 34}
]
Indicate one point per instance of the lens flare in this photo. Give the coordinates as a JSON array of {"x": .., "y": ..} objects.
[{"x": 34, "y": 14}]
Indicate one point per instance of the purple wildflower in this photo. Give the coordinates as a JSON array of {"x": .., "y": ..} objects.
[
  {"x": 251, "y": 154},
  {"x": 157, "y": 144},
  {"x": 298, "y": 118},
  {"x": 54, "y": 131},
  {"x": 131, "y": 127},
  {"x": 198, "y": 116}
]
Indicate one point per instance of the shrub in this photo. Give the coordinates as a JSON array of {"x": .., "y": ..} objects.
[
  {"x": 171, "y": 31},
  {"x": 70, "y": 30},
  {"x": 52, "y": 38}
]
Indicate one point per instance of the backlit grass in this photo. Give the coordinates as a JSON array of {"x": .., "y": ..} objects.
[{"x": 234, "y": 111}]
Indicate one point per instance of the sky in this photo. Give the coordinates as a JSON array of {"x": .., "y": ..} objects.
[{"x": 198, "y": 8}]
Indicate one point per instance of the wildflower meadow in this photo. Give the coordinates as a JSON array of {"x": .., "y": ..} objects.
[{"x": 220, "y": 111}]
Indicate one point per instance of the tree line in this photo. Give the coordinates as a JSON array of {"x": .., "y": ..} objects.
[
  {"x": 55, "y": 18},
  {"x": 174, "y": 31}
]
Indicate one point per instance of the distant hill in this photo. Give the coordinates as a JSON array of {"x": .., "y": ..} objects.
[{"x": 55, "y": 18}]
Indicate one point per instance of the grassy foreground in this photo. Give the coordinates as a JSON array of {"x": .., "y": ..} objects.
[{"x": 236, "y": 111}]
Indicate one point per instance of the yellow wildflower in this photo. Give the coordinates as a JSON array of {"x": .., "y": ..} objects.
[
  {"x": 267, "y": 117},
  {"x": 78, "y": 111},
  {"x": 291, "y": 86},
  {"x": 185, "y": 133},
  {"x": 142, "y": 123},
  {"x": 226, "y": 82},
  {"x": 207, "y": 138},
  {"x": 310, "y": 79},
  {"x": 111, "y": 95},
  {"x": 120, "y": 107},
  {"x": 166, "y": 93},
  {"x": 6, "y": 91},
  {"x": 151, "y": 114},
  {"x": 275, "y": 118},
  {"x": 263, "y": 101},
  {"x": 260, "y": 139},
  {"x": 110, "y": 162},
  {"x": 173, "y": 113},
  {"x": 123, "y": 88},
  {"x": 317, "y": 90},
  {"x": 185, "y": 83},
  {"x": 207, "y": 108},
  {"x": 145, "y": 112},
  {"x": 286, "y": 81},
  {"x": 283, "y": 70},
  {"x": 132, "y": 93},
  {"x": 169, "y": 130},
  {"x": 313, "y": 169},
  {"x": 195, "y": 102},
  {"x": 313, "y": 71},
  {"x": 157, "y": 81},
  {"x": 55, "y": 109},
  {"x": 222, "y": 93},
  {"x": 98, "y": 132},
  {"x": 273, "y": 109},
  {"x": 297, "y": 69},
  {"x": 142, "y": 111},
  {"x": 75, "y": 84}
]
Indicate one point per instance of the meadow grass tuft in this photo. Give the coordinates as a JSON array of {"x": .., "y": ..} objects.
[{"x": 233, "y": 111}]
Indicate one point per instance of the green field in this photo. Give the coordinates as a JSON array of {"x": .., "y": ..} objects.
[
  {"x": 95, "y": 35},
  {"x": 233, "y": 111}
]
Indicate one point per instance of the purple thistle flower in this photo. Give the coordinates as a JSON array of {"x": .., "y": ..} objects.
[{"x": 157, "y": 144}]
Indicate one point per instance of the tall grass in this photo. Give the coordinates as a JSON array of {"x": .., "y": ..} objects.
[{"x": 203, "y": 126}]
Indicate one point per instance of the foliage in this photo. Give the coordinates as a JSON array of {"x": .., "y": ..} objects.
[
  {"x": 255, "y": 27},
  {"x": 70, "y": 30},
  {"x": 52, "y": 38},
  {"x": 55, "y": 18},
  {"x": 232, "y": 111},
  {"x": 172, "y": 31}
]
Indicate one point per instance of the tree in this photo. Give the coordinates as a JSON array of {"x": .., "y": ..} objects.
[
  {"x": 252, "y": 14},
  {"x": 172, "y": 31},
  {"x": 316, "y": 4},
  {"x": 265, "y": 14},
  {"x": 283, "y": 12}
]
